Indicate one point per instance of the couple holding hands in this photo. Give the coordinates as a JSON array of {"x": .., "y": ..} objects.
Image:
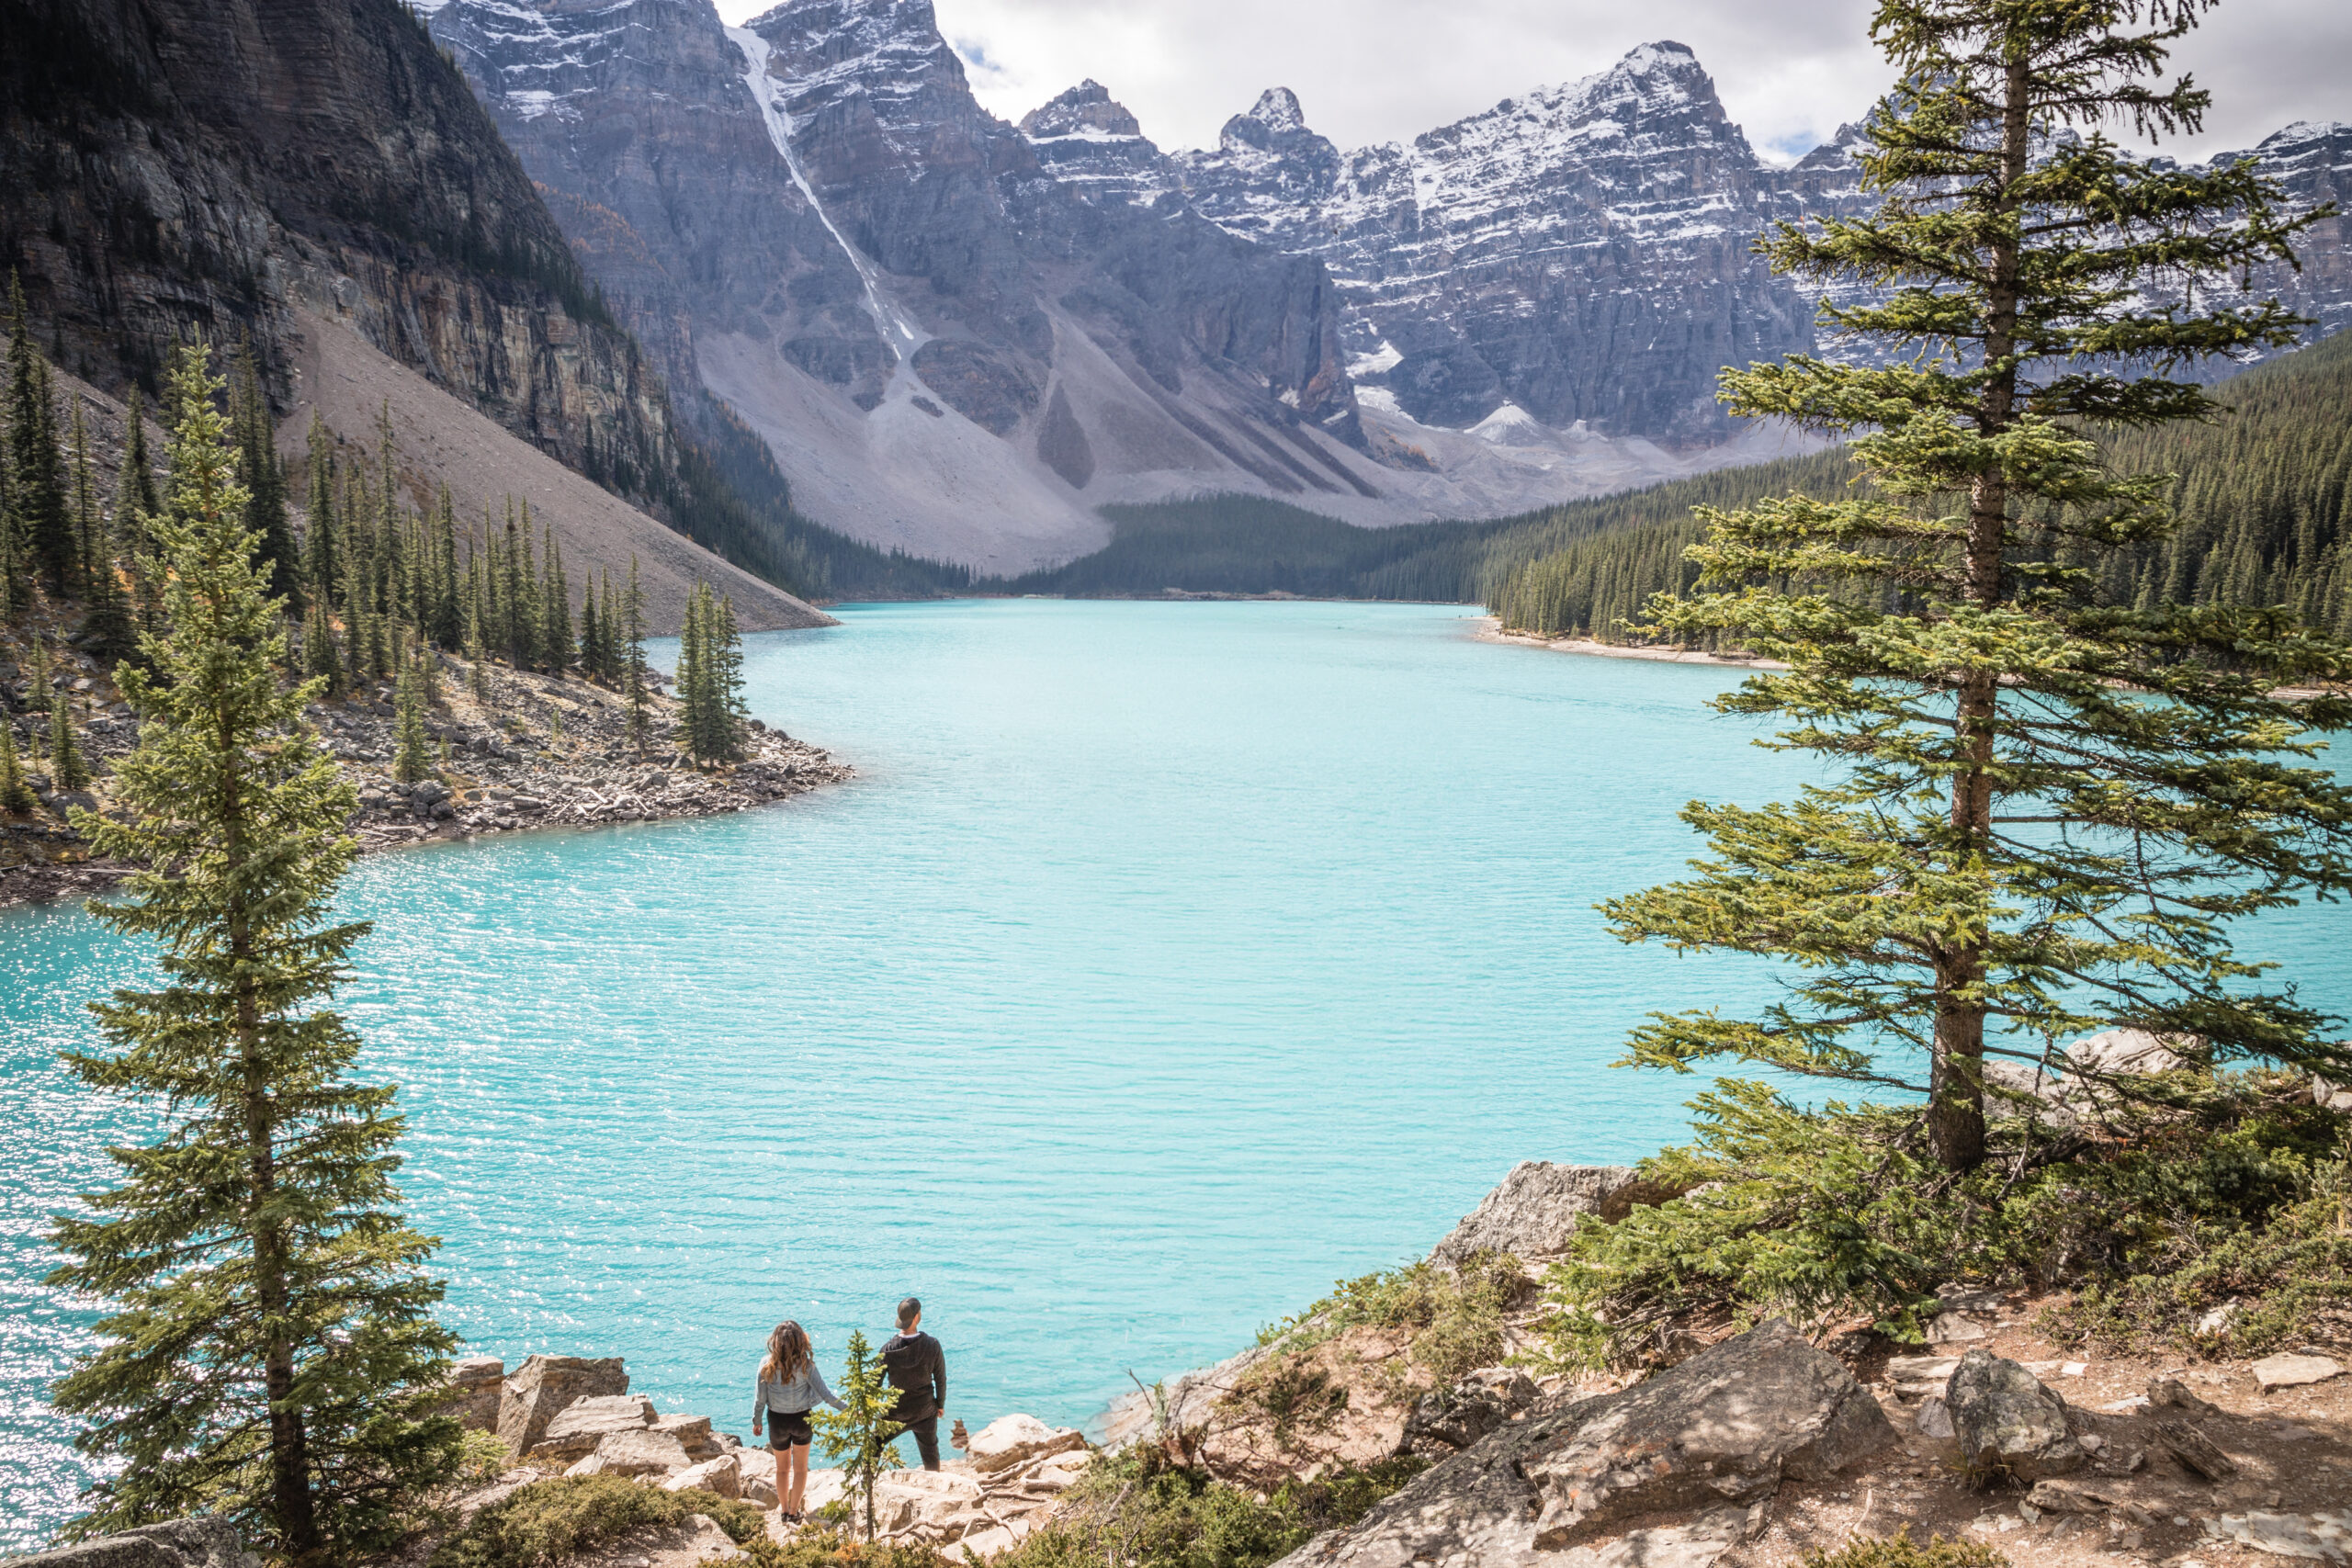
[{"x": 790, "y": 1386}]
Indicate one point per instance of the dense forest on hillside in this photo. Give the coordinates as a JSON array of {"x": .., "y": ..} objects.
[{"x": 2262, "y": 493}]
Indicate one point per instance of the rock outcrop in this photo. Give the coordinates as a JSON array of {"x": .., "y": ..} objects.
[
  {"x": 1718, "y": 1434},
  {"x": 543, "y": 1387},
  {"x": 1535, "y": 1209},
  {"x": 181, "y": 1543}
]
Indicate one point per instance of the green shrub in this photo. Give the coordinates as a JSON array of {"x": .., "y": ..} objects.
[
  {"x": 1840, "y": 1214},
  {"x": 1142, "y": 1511},
  {"x": 548, "y": 1521},
  {"x": 482, "y": 1457},
  {"x": 1899, "y": 1551},
  {"x": 1453, "y": 1317},
  {"x": 825, "y": 1549}
]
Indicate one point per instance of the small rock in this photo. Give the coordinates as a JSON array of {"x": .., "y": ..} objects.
[
  {"x": 2321, "y": 1537},
  {"x": 2007, "y": 1423},
  {"x": 2067, "y": 1497},
  {"x": 2222, "y": 1319},
  {"x": 1935, "y": 1419},
  {"x": 2292, "y": 1370},
  {"x": 1445, "y": 1420}
]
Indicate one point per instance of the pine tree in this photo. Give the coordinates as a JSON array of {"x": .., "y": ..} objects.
[
  {"x": 66, "y": 769},
  {"x": 860, "y": 1433},
  {"x": 556, "y": 646},
  {"x": 731, "y": 717},
  {"x": 2046, "y": 806},
  {"x": 412, "y": 757},
  {"x": 321, "y": 552},
  {"x": 694, "y": 721},
  {"x": 39, "y": 693},
  {"x": 134, "y": 497},
  {"x": 633, "y": 661},
  {"x": 108, "y": 630},
  {"x": 320, "y": 661},
  {"x": 270, "y": 1356},
  {"x": 36, "y": 489},
  {"x": 255, "y": 437},
  {"x": 17, "y": 796},
  {"x": 592, "y": 635}
]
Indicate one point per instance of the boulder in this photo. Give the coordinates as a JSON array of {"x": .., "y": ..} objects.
[
  {"x": 2006, "y": 1423},
  {"x": 758, "y": 1486},
  {"x": 179, "y": 1543},
  {"x": 1717, "y": 1433},
  {"x": 2125, "y": 1052},
  {"x": 579, "y": 1427},
  {"x": 1535, "y": 1209},
  {"x": 939, "y": 1504},
  {"x": 1447, "y": 1420},
  {"x": 544, "y": 1385},
  {"x": 1011, "y": 1440},
  {"x": 477, "y": 1383},
  {"x": 723, "y": 1475},
  {"x": 642, "y": 1453}
]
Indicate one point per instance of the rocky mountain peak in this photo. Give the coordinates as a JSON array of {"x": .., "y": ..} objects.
[
  {"x": 1277, "y": 109},
  {"x": 1086, "y": 110}
]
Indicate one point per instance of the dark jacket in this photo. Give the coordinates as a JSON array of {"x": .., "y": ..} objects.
[{"x": 917, "y": 1368}]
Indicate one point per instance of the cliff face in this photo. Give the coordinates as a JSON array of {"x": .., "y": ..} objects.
[
  {"x": 215, "y": 165},
  {"x": 1577, "y": 255},
  {"x": 946, "y": 347}
]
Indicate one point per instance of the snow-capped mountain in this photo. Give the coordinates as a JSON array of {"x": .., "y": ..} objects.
[
  {"x": 1579, "y": 254},
  {"x": 962, "y": 337}
]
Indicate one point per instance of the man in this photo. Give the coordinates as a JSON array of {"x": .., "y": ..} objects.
[{"x": 917, "y": 1368}]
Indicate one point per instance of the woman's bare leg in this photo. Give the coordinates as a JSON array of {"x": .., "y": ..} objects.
[
  {"x": 799, "y": 1479},
  {"x": 783, "y": 1479}
]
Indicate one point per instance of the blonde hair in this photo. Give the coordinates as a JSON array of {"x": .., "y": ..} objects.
[{"x": 788, "y": 1353}]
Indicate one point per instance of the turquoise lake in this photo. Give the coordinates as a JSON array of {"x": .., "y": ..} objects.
[{"x": 1164, "y": 963}]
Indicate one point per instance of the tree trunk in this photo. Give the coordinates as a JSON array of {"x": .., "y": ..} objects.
[
  {"x": 1956, "y": 1109},
  {"x": 291, "y": 1503}
]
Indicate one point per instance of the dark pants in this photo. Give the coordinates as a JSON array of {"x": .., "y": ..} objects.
[{"x": 925, "y": 1433}]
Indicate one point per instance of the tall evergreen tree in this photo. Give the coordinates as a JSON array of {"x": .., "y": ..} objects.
[
  {"x": 255, "y": 437},
  {"x": 271, "y": 1355},
  {"x": 17, "y": 796},
  {"x": 413, "y": 754},
  {"x": 2048, "y": 805},
  {"x": 633, "y": 661},
  {"x": 320, "y": 661},
  {"x": 695, "y": 729},
  {"x": 556, "y": 646},
  {"x": 134, "y": 498},
  {"x": 107, "y": 629},
  {"x": 723, "y": 654},
  {"x": 591, "y": 634},
  {"x": 66, "y": 768},
  {"x": 37, "y": 489},
  {"x": 321, "y": 554}
]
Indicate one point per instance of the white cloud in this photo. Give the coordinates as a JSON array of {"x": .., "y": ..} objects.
[{"x": 1375, "y": 70}]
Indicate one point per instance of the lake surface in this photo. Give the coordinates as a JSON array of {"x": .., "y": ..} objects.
[{"x": 1164, "y": 963}]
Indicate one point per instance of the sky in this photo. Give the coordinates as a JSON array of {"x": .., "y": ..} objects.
[{"x": 1367, "y": 71}]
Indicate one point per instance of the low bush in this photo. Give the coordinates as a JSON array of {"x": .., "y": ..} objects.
[
  {"x": 1140, "y": 1510},
  {"x": 1899, "y": 1551},
  {"x": 1454, "y": 1318},
  {"x": 2233, "y": 1189},
  {"x": 829, "y": 1549},
  {"x": 548, "y": 1521}
]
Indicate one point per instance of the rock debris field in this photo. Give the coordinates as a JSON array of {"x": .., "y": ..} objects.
[{"x": 530, "y": 750}]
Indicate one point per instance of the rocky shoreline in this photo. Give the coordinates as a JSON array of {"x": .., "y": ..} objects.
[
  {"x": 1490, "y": 629},
  {"x": 513, "y": 751}
]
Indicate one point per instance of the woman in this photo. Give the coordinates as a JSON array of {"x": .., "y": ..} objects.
[{"x": 789, "y": 1387}]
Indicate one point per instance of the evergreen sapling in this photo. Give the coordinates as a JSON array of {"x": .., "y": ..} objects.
[{"x": 860, "y": 1433}]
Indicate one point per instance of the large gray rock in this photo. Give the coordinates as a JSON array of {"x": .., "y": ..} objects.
[
  {"x": 544, "y": 1385},
  {"x": 2006, "y": 1423},
  {"x": 642, "y": 1451},
  {"x": 1718, "y": 1433},
  {"x": 181, "y": 1543},
  {"x": 1535, "y": 1211},
  {"x": 584, "y": 1423},
  {"x": 1010, "y": 1441}
]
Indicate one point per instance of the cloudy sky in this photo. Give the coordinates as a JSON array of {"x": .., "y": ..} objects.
[{"x": 1375, "y": 70}]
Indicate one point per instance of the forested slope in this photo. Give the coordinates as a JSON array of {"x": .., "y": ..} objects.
[{"x": 2262, "y": 492}]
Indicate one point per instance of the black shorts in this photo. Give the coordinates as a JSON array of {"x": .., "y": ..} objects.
[{"x": 788, "y": 1431}]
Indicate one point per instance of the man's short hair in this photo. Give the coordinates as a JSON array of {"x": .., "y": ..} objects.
[{"x": 908, "y": 1310}]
